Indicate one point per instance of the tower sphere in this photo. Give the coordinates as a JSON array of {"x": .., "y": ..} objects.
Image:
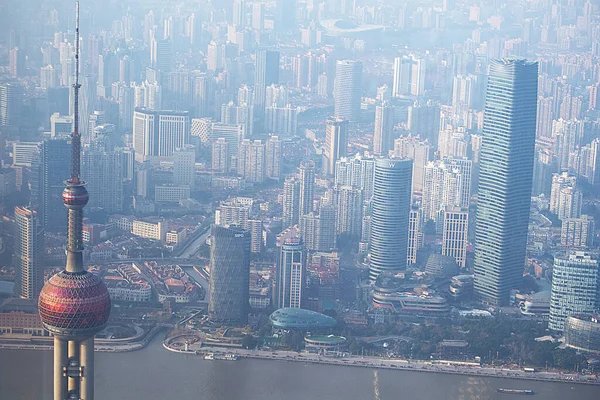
[
  {"x": 75, "y": 196},
  {"x": 74, "y": 305}
]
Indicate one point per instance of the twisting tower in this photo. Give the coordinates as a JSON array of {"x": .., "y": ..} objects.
[{"x": 74, "y": 305}]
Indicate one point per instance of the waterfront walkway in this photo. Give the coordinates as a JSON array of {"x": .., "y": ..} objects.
[{"x": 399, "y": 364}]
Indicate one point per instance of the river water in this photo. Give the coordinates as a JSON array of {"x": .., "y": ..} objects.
[{"x": 154, "y": 373}]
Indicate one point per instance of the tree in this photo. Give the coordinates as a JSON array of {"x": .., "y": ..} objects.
[{"x": 248, "y": 342}]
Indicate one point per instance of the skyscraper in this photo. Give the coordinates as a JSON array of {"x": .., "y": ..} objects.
[
  {"x": 336, "y": 143},
  {"x": 454, "y": 234},
  {"x": 291, "y": 202},
  {"x": 184, "y": 166},
  {"x": 159, "y": 133},
  {"x": 306, "y": 175},
  {"x": 383, "y": 135},
  {"x": 74, "y": 304},
  {"x": 251, "y": 160},
  {"x": 266, "y": 73},
  {"x": 390, "y": 216},
  {"x": 575, "y": 287},
  {"x": 228, "y": 294},
  {"x": 506, "y": 169},
  {"x": 290, "y": 274},
  {"x": 409, "y": 76},
  {"x": 11, "y": 104},
  {"x": 347, "y": 89},
  {"x": 29, "y": 250},
  {"x": 273, "y": 158},
  {"x": 104, "y": 172},
  {"x": 55, "y": 164}
]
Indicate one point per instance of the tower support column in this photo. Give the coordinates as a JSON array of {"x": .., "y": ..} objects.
[
  {"x": 60, "y": 362},
  {"x": 87, "y": 362},
  {"x": 74, "y": 355}
]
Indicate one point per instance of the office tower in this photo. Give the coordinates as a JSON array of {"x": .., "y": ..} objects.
[
  {"x": 347, "y": 90},
  {"x": 74, "y": 304},
  {"x": 220, "y": 156},
  {"x": 575, "y": 287},
  {"x": 274, "y": 158},
  {"x": 409, "y": 76},
  {"x": 290, "y": 274},
  {"x": 251, "y": 161},
  {"x": 233, "y": 135},
  {"x": 454, "y": 234},
  {"x": 506, "y": 168},
  {"x": 103, "y": 172},
  {"x": 55, "y": 164},
  {"x": 577, "y": 232},
  {"x": 29, "y": 251},
  {"x": 424, "y": 120},
  {"x": 228, "y": 294},
  {"x": 184, "y": 166},
  {"x": 357, "y": 173},
  {"x": 24, "y": 152},
  {"x": 159, "y": 133},
  {"x": 291, "y": 202},
  {"x": 258, "y": 16},
  {"x": 239, "y": 13},
  {"x": 418, "y": 151},
  {"x": 415, "y": 236},
  {"x": 306, "y": 175},
  {"x": 389, "y": 218},
  {"x": 255, "y": 227},
  {"x": 383, "y": 135},
  {"x": 349, "y": 203},
  {"x": 11, "y": 104},
  {"x": 266, "y": 73},
  {"x": 336, "y": 143},
  {"x": 161, "y": 55},
  {"x": 16, "y": 62},
  {"x": 285, "y": 14}
]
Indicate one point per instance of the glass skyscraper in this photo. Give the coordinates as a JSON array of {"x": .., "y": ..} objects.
[
  {"x": 506, "y": 169},
  {"x": 228, "y": 295},
  {"x": 389, "y": 220}
]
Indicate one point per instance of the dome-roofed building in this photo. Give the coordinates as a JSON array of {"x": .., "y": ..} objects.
[
  {"x": 300, "y": 319},
  {"x": 441, "y": 266}
]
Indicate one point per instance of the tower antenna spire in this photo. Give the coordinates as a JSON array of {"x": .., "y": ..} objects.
[{"x": 76, "y": 137}]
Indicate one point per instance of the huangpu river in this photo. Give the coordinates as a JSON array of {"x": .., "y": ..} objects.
[{"x": 154, "y": 373}]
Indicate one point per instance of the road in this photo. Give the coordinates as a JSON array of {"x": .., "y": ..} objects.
[{"x": 192, "y": 247}]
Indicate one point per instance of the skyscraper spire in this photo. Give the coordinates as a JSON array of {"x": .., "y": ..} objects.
[{"x": 74, "y": 305}]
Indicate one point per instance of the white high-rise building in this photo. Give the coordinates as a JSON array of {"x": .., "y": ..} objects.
[
  {"x": 290, "y": 274},
  {"x": 159, "y": 133},
  {"x": 383, "y": 135},
  {"x": 291, "y": 202},
  {"x": 306, "y": 175},
  {"x": 273, "y": 158},
  {"x": 577, "y": 232},
  {"x": 415, "y": 236},
  {"x": 336, "y": 143},
  {"x": 29, "y": 250},
  {"x": 356, "y": 172},
  {"x": 347, "y": 89},
  {"x": 184, "y": 166},
  {"x": 454, "y": 234},
  {"x": 575, "y": 287},
  {"x": 251, "y": 160},
  {"x": 409, "y": 76},
  {"x": 255, "y": 226},
  {"x": 349, "y": 211},
  {"x": 220, "y": 156},
  {"x": 418, "y": 151}
]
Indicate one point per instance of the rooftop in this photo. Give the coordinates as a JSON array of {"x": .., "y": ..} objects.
[{"x": 297, "y": 318}]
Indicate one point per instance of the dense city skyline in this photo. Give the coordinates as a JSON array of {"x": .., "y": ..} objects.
[{"x": 403, "y": 179}]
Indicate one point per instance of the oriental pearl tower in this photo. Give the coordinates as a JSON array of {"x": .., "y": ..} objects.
[{"x": 74, "y": 305}]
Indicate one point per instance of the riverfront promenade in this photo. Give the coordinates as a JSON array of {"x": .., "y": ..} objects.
[{"x": 399, "y": 364}]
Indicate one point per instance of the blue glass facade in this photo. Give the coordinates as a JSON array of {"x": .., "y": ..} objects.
[{"x": 506, "y": 171}]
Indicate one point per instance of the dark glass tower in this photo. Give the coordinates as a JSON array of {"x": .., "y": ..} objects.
[
  {"x": 228, "y": 295},
  {"x": 506, "y": 169},
  {"x": 389, "y": 220}
]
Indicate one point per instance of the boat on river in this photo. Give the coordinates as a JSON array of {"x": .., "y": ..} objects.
[{"x": 516, "y": 391}]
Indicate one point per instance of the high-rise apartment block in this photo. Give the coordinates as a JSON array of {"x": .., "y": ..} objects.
[
  {"x": 455, "y": 234},
  {"x": 29, "y": 252},
  {"x": 409, "y": 76},
  {"x": 383, "y": 135}
]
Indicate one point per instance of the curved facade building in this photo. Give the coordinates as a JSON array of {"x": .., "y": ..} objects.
[
  {"x": 298, "y": 318},
  {"x": 389, "y": 219},
  {"x": 583, "y": 334},
  {"x": 229, "y": 291},
  {"x": 506, "y": 170}
]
